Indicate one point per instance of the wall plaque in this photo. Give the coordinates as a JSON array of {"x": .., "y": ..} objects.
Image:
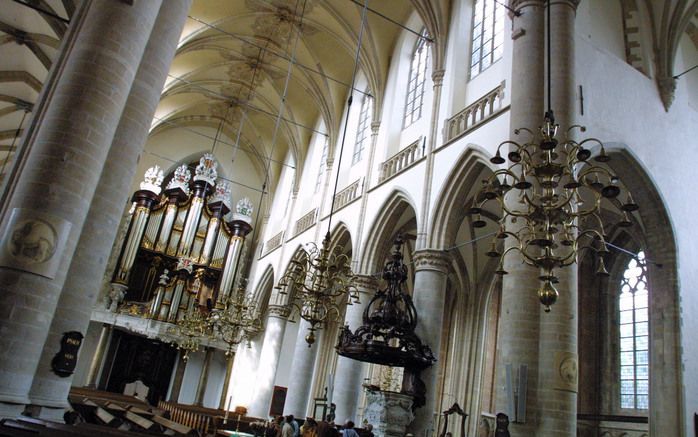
[
  {"x": 63, "y": 363},
  {"x": 33, "y": 241}
]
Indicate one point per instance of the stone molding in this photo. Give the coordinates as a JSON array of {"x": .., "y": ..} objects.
[
  {"x": 365, "y": 283},
  {"x": 279, "y": 311},
  {"x": 437, "y": 77},
  {"x": 432, "y": 259}
]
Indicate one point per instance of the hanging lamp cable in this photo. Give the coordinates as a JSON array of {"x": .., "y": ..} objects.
[{"x": 346, "y": 120}]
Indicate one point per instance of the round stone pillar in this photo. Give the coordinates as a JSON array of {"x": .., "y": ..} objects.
[
  {"x": 518, "y": 332},
  {"x": 557, "y": 346},
  {"x": 347, "y": 380},
  {"x": 301, "y": 380},
  {"x": 88, "y": 263},
  {"x": 431, "y": 271},
  {"x": 269, "y": 360},
  {"x": 67, "y": 145}
]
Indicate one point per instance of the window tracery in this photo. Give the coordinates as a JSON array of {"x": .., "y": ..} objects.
[
  {"x": 634, "y": 336},
  {"x": 363, "y": 130}
]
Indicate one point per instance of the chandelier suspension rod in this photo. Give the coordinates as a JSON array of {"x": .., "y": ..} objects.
[
  {"x": 246, "y": 105},
  {"x": 549, "y": 54},
  {"x": 249, "y": 96},
  {"x": 277, "y": 54},
  {"x": 385, "y": 17},
  {"x": 346, "y": 119},
  {"x": 276, "y": 129}
]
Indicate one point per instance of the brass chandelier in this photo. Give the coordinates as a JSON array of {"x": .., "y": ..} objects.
[
  {"x": 318, "y": 281},
  {"x": 238, "y": 321},
  {"x": 551, "y": 195},
  {"x": 322, "y": 278}
]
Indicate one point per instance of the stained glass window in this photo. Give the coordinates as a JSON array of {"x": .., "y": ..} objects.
[
  {"x": 488, "y": 35},
  {"x": 634, "y": 336}
]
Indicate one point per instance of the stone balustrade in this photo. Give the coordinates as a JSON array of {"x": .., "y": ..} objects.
[
  {"x": 344, "y": 197},
  {"x": 401, "y": 160},
  {"x": 273, "y": 243},
  {"x": 475, "y": 113},
  {"x": 613, "y": 426},
  {"x": 306, "y": 222}
]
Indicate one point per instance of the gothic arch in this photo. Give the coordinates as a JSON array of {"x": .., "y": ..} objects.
[
  {"x": 379, "y": 240},
  {"x": 263, "y": 291},
  {"x": 461, "y": 185},
  {"x": 659, "y": 244}
]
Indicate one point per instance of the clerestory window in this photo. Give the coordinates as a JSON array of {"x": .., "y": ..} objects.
[
  {"x": 417, "y": 81},
  {"x": 363, "y": 132},
  {"x": 321, "y": 167},
  {"x": 634, "y": 336},
  {"x": 488, "y": 35}
]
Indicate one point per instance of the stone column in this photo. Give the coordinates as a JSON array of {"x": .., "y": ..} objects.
[
  {"x": 347, "y": 380},
  {"x": 68, "y": 144},
  {"x": 437, "y": 78},
  {"x": 203, "y": 378},
  {"x": 431, "y": 271},
  {"x": 557, "y": 346},
  {"x": 229, "y": 360},
  {"x": 519, "y": 323},
  {"x": 301, "y": 380},
  {"x": 88, "y": 263},
  {"x": 98, "y": 356},
  {"x": 178, "y": 377},
  {"x": 268, "y": 360}
]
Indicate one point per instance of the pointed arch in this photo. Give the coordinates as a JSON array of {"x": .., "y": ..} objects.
[
  {"x": 380, "y": 238},
  {"x": 461, "y": 185},
  {"x": 263, "y": 290}
]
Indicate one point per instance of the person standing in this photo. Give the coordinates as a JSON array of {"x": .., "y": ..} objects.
[{"x": 349, "y": 430}]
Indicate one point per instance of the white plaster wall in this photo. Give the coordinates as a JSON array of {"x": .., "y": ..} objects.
[{"x": 622, "y": 105}]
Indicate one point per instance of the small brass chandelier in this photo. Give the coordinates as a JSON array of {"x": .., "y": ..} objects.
[
  {"x": 190, "y": 330},
  {"x": 318, "y": 281},
  {"x": 550, "y": 195},
  {"x": 322, "y": 278},
  {"x": 238, "y": 321}
]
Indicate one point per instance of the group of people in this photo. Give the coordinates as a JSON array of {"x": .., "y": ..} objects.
[{"x": 288, "y": 427}]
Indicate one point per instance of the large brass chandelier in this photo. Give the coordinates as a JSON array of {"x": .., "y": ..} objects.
[
  {"x": 238, "y": 321},
  {"x": 551, "y": 195},
  {"x": 321, "y": 280}
]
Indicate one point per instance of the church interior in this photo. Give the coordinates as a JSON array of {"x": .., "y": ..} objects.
[{"x": 426, "y": 217}]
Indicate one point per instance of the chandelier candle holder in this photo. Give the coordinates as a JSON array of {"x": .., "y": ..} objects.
[
  {"x": 318, "y": 284},
  {"x": 551, "y": 194}
]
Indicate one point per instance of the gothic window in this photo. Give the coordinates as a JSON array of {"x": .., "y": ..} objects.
[
  {"x": 417, "y": 81},
  {"x": 321, "y": 169},
  {"x": 363, "y": 131},
  {"x": 634, "y": 336},
  {"x": 488, "y": 35}
]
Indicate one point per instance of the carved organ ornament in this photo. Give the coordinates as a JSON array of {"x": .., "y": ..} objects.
[{"x": 183, "y": 244}]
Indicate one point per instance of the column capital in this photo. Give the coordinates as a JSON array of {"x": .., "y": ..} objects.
[
  {"x": 375, "y": 126},
  {"x": 432, "y": 259},
  {"x": 438, "y": 77},
  {"x": 365, "y": 283},
  {"x": 279, "y": 311},
  {"x": 520, "y": 4}
]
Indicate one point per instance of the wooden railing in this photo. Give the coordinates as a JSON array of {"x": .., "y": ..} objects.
[
  {"x": 306, "y": 222},
  {"x": 185, "y": 415},
  {"x": 273, "y": 243},
  {"x": 401, "y": 160},
  {"x": 348, "y": 194},
  {"x": 626, "y": 426},
  {"x": 474, "y": 114}
]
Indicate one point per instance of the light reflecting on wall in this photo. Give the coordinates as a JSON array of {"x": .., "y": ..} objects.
[{"x": 242, "y": 385}]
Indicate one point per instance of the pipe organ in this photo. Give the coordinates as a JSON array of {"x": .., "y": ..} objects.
[{"x": 183, "y": 244}]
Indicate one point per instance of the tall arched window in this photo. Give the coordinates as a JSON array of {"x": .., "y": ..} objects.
[
  {"x": 634, "y": 336},
  {"x": 488, "y": 35},
  {"x": 416, "y": 83},
  {"x": 321, "y": 167},
  {"x": 363, "y": 131}
]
